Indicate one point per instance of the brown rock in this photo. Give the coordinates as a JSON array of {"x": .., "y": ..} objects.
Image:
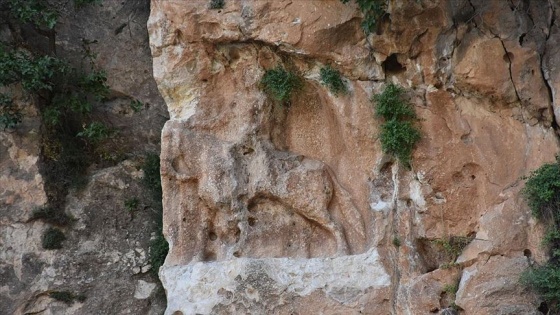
[
  {"x": 428, "y": 293},
  {"x": 493, "y": 287},
  {"x": 482, "y": 68},
  {"x": 251, "y": 181}
]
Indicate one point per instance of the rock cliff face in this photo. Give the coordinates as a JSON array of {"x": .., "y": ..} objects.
[
  {"x": 277, "y": 209},
  {"x": 104, "y": 258}
]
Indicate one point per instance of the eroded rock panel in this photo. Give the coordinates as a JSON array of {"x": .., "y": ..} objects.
[
  {"x": 104, "y": 258},
  {"x": 252, "y": 182}
]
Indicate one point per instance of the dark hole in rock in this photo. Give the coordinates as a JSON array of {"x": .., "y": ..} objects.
[
  {"x": 391, "y": 65},
  {"x": 212, "y": 236},
  {"x": 430, "y": 254},
  {"x": 251, "y": 221},
  {"x": 248, "y": 150},
  {"x": 527, "y": 253},
  {"x": 543, "y": 308},
  {"x": 508, "y": 57},
  {"x": 521, "y": 38},
  {"x": 209, "y": 256},
  {"x": 430, "y": 269},
  {"x": 386, "y": 168}
]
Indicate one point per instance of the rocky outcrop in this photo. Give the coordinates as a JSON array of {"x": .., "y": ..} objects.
[
  {"x": 103, "y": 266},
  {"x": 291, "y": 208}
]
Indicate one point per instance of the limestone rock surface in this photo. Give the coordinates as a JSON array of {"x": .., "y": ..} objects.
[
  {"x": 271, "y": 207},
  {"x": 105, "y": 257}
]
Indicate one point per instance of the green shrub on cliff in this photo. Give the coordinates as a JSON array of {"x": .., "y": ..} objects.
[
  {"x": 35, "y": 73},
  {"x": 542, "y": 192},
  {"x": 545, "y": 280},
  {"x": 217, "y": 4},
  {"x": 52, "y": 238},
  {"x": 65, "y": 95},
  {"x": 10, "y": 115},
  {"x": 279, "y": 83},
  {"x": 131, "y": 204},
  {"x": 398, "y": 139},
  {"x": 36, "y": 12},
  {"x": 391, "y": 105},
  {"x": 158, "y": 251},
  {"x": 452, "y": 246},
  {"x": 373, "y": 11},
  {"x": 332, "y": 79},
  {"x": 152, "y": 178},
  {"x": 95, "y": 132},
  {"x": 152, "y": 181},
  {"x": 399, "y": 133}
]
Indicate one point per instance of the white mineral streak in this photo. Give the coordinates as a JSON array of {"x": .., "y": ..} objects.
[{"x": 194, "y": 288}]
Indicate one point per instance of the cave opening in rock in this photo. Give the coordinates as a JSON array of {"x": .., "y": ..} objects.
[{"x": 391, "y": 65}]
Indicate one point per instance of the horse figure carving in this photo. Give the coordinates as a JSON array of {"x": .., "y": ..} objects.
[{"x": 223, "y": 174}]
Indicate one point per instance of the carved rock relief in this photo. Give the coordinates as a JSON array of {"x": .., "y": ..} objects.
[{"x": 231, "y": 181}]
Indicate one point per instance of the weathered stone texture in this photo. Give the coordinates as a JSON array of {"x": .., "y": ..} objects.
[
  {"x": 492, "y": 287},
  {"x": 249, "y": 182},
  {"x": 105, "y": 256}
]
